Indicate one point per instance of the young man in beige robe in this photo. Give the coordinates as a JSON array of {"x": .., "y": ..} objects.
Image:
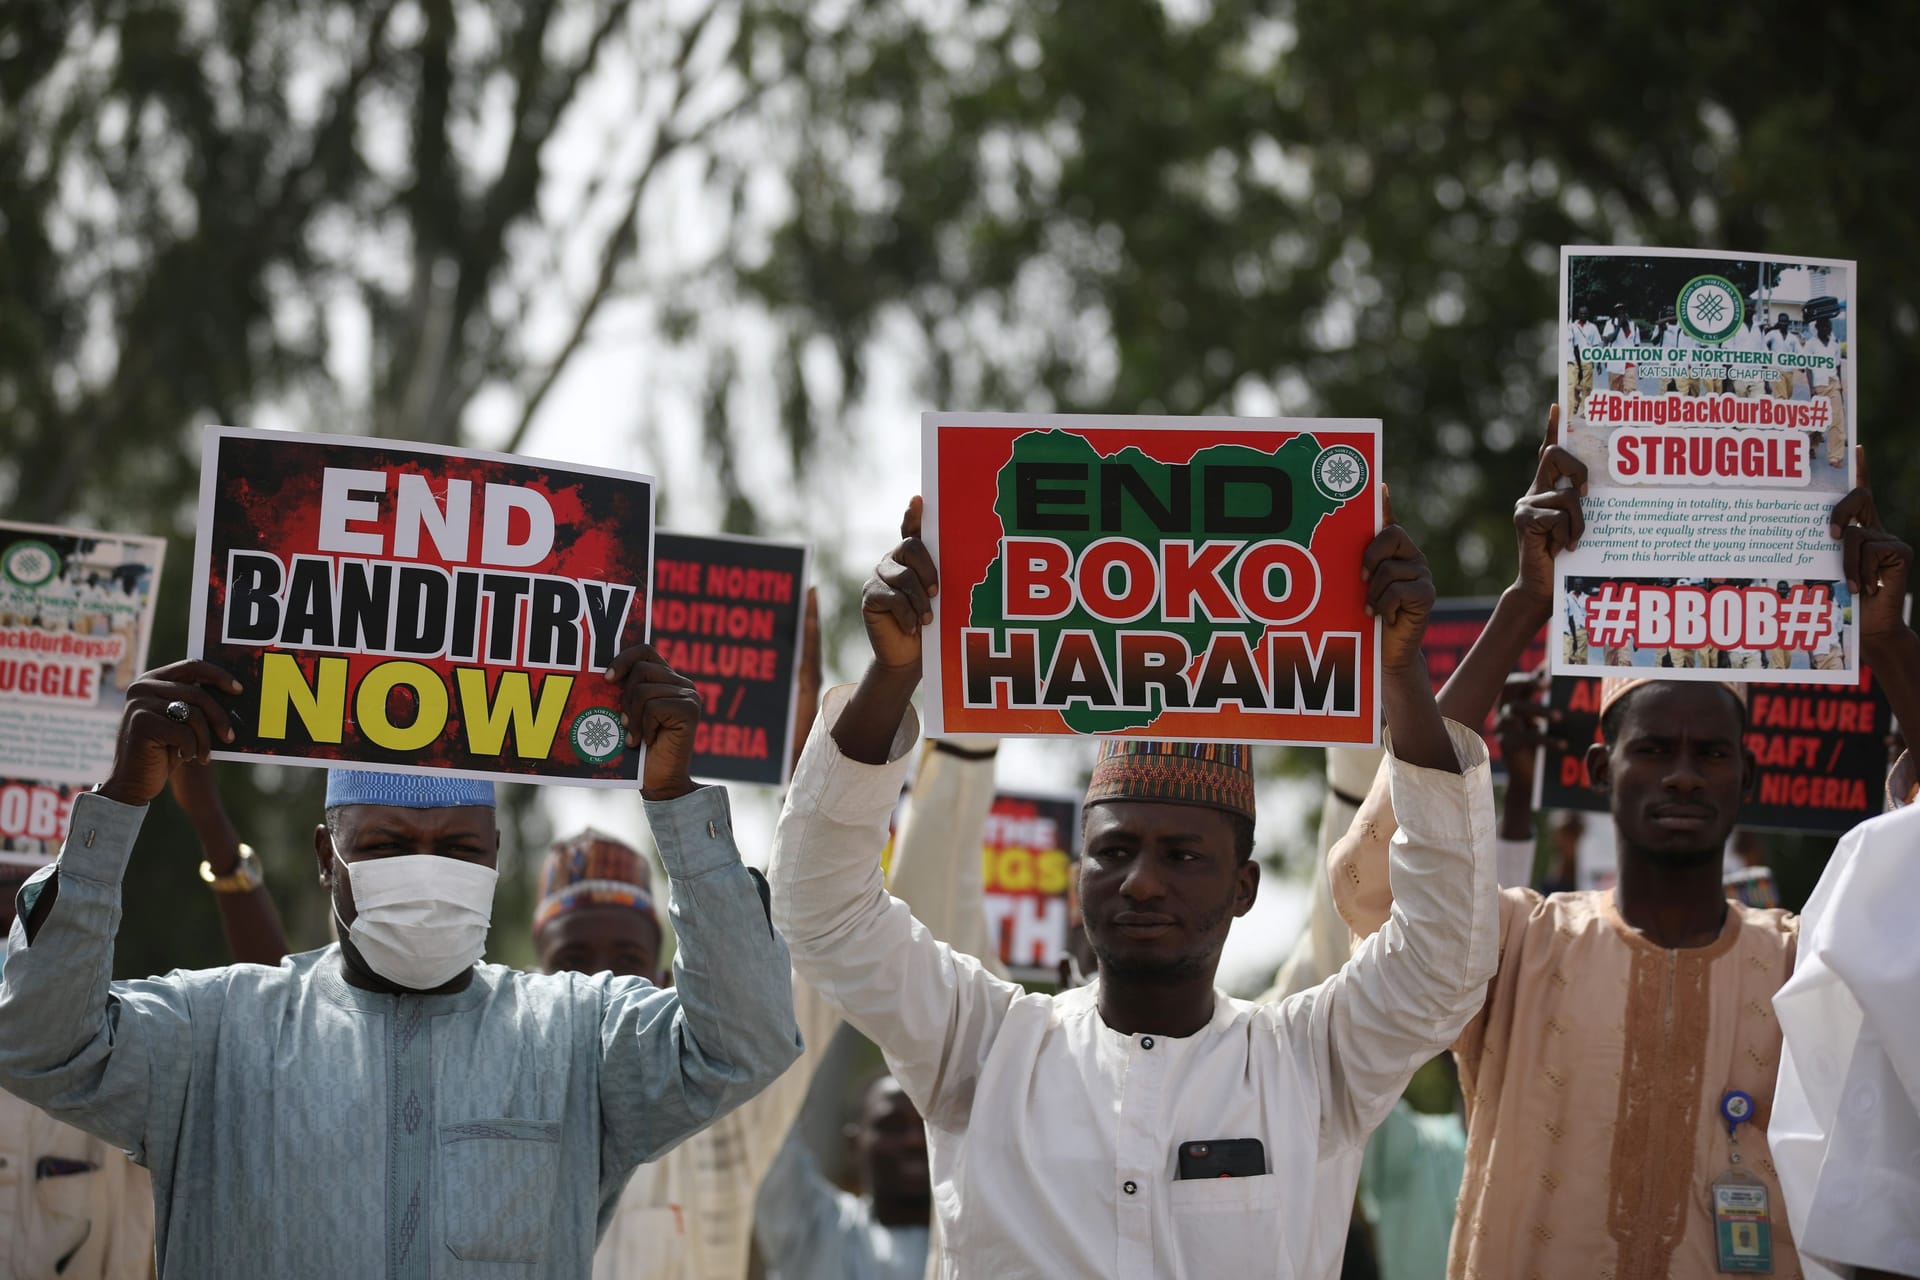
[{"x": 1619, "y": 1019}]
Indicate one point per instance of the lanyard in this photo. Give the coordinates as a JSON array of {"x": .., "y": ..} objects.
[{"x": 1742, "y": 1226}]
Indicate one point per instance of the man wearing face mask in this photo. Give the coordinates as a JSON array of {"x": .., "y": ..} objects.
[{"x": 387, "y": 1107}]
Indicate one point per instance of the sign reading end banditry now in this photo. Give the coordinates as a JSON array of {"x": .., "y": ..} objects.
[
  {"x": 1194, "y": 579},
  {"x": 418, "y": 609}
]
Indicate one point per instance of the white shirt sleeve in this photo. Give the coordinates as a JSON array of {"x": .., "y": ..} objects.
[
  {"x": 933, "y": 1011},
  {"x": 1412, "y": 986},
  {"x": 1846, "y": 1110}
]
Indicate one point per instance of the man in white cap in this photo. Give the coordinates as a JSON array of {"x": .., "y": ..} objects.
[{"x": 387, "y": 1106}]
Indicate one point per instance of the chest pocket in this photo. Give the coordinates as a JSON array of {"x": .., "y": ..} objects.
[
  {"x": 497, "y": 1179},
  {"x": 1229, "y": 1227}
]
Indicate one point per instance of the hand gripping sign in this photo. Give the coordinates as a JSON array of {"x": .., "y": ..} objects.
[
  {"x": 415, "y": 608},
  {"x": 1194, "y": 579}
]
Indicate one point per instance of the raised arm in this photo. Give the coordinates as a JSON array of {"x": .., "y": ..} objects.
[
  {"x": 1877, "y": 566},
  {"x": 795, "y": 1206},
  {"x": 1409, "y": 990},
  {"x": 731, "y": 1031},
  {"x": 1546, "y": 519},
  {"x": 248, "y": 916},
  {"x": 933, "y": 1011},
  {"x": 936, "y": 871},
  {"x": 110, "y": 1058}
]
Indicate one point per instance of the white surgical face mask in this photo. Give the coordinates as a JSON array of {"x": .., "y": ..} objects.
[{"x": 422, "y": 919}]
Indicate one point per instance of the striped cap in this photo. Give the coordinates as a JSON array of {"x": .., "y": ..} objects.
[
  {"x": 592, "y": 869},
  {"x": 406, "y": 790},
  {"x": 1218, "y": 775},
  {"x": 1614, "y": 688}
]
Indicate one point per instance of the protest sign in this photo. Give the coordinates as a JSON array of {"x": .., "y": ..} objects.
[
  {"x": 1821, "y": 752},
  {"x": 76, "y": 612},
  {"x": 1193, "y": 579},
  {"x": 33, "y": 820},
  {"x": 418, "y": 609},
  {"x": 727, "y": 614},
  {"x": 1712, "y": 397},
  {"x": 1452, "y": 628},
  {"x": 1031, "y": 845}
]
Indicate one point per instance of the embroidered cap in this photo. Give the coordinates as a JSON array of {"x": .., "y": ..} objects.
[
  {"x": 1614, "y": 688},
  {"x": 593, "y": 869},
  {"x": 406, "y": 790},
  {"x": 1218, "y": 775}
]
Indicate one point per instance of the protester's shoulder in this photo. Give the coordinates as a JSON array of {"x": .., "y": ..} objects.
[
  {"x": 1074, "y": 1005},
  {"x": 593, "y": 989},
  {"x": 230, "y": 980},
  {"x": 1564, "y": 913},
  {"x": 243, "y": 990},
  {"x": 1766, "y": 928}
]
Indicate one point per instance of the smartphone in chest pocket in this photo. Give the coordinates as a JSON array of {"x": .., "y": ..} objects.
[{"x": 1222, "y": 1158}]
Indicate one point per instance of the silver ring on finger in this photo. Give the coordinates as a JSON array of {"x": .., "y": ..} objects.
[{"x": 178, "y": 711}]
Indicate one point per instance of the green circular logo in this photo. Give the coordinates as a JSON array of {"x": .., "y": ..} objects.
[
  {"x": 1339, "y": 472},
  {"x": 30, "y": 564},
  {"x": 1710, "y": 308},
  {"x": 596, "y": 735}
]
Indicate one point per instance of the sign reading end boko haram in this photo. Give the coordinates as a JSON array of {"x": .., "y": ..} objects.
[
  {"x": 413, "y": 608},
  {"x": 1182, "y": 578}
]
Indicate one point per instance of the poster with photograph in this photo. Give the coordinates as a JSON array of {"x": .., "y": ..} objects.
[
  {"x": 1193, "y": 579},
  {"x": 76, "y": 616},
  {"x": 419, "y": 609},
  {"x": 76, "y": 613},
  {"x": 1711, "y": 396}
]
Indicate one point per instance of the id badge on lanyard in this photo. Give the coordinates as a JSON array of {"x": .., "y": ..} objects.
[{"x": 1742, "y": 1223}]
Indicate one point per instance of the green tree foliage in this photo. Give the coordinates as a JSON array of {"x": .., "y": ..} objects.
[
  {"x": 1338, "y": 209},
  {"x": 333, "y": 216},
  {"x": 1217, "y": 206}
]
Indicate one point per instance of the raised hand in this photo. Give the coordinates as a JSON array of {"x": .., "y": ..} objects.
[
  {"x": 170, "y": 718},
  {"x": 898, "y": 599},
  {"x": 661, "y": 711},
  {"x": 1876, "y": 563},
  {"x": 1548, "y": 518},
  {"x": 1399, "y": 592}
]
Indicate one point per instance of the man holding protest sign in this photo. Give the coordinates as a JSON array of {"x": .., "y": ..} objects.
[
  {"x": 383, "y": 1107},
  {"x": 1145, "y": 1124},
  {"x": 1623, "y": 1018},
  {"x": 691, "y": 1214}
]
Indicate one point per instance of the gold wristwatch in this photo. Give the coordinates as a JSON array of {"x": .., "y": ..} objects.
[{"x": 244, "y": 878}]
